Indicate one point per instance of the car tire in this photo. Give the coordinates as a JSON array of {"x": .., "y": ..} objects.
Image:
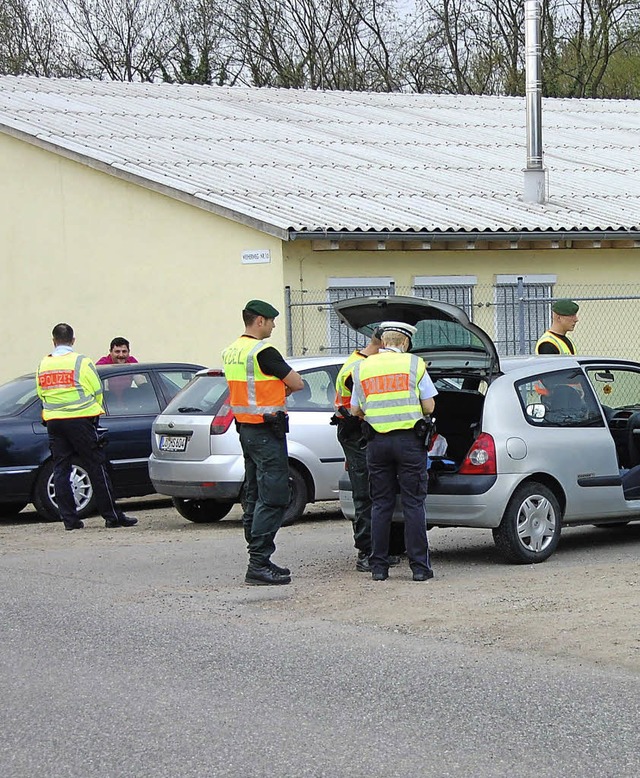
[
  {"x": 8, "y": 509},
  {"x": 298, "y": 498},
  {"x": 530, "y": 528},
  {"x": 44, "y": 496},
  {"x": 201, "y": 511}
]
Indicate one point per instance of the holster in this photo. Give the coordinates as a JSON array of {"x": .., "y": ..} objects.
[
  {"x": 279, "y": 423},
  {"x": 423, "y": 429}
]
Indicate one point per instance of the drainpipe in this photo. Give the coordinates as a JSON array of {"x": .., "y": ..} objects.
[{"x": 535, "y": 190}]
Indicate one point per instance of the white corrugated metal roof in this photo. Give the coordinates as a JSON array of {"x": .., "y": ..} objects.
[{"x": 302, "y": 160}]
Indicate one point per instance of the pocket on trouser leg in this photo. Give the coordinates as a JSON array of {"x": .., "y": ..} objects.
[{"x": 274, "y": 489}]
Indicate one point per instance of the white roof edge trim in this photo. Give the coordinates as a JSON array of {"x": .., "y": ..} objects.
[
  {"x": 338, "y": 282},
  {"x": 118, "y": 172},
  {"x": 445, "y": 280},
  {"x": 527, "y": 278}
]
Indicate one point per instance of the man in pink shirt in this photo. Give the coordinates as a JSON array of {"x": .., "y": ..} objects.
[{"x": 118, "y": 353}]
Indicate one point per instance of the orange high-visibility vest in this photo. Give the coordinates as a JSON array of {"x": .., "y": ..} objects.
[{"x": 252, "y": 392}]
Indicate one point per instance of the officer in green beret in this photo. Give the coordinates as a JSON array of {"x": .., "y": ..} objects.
[
  {"x": 564, "y": 317},
  {"x": 259, "y": 381}
]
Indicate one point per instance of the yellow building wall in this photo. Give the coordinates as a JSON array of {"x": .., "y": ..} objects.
[
  {"x": 112, "y": 258},
  {"x": 580, "y": 272}
]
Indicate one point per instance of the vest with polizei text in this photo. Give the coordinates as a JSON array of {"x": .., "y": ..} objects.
[
  {"x": 387, "y": 384},
  {"x": 69, "y": 387}
]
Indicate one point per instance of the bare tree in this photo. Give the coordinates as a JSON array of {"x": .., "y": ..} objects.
[
  {"x": 31, "y": 42},
  {"x": 124, "y": 40}
]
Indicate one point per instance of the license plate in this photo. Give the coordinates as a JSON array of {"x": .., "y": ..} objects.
[{"x": 173, "y": 443}]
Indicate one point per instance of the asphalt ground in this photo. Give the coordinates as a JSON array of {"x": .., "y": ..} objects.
[{"x": 141, "y": 652}]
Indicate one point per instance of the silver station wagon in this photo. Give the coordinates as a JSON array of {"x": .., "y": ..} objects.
[
  {"x": 533, "y": 443},
  {"x": 196, "y": 456}
]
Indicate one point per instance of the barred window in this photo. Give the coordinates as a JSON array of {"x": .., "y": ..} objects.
[
  {"x": 536, "y": 315},
  {"x": 343, "y": 339},
  {"x": 456, "y": 290}
]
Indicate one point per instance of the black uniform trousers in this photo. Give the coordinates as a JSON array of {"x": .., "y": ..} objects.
[
  {"x": 398, "y": 458},
  {"x": 266, "y": 497},
  {"x": 77, "y": 438},
  {"x": 355, "y": 453}
]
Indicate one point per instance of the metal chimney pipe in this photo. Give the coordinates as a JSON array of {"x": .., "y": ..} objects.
[{"x": 535, "y": 190}]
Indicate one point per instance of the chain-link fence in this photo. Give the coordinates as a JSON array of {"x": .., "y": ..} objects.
[{"x": 513, "y": 314}]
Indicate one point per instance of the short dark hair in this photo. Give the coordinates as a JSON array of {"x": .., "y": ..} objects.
[
  {"x": 119, "y": 342},
  {"x": 248, "y": 317},
  {"x": 63, "y": 334}
]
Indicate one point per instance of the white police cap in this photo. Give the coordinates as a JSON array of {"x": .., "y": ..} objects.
[{"x": 398, "y": 326}]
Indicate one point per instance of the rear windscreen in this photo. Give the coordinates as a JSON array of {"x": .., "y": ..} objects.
[
  {"x": 17, "y": 395},
  {"x": 205, "y": 394},
  {"x": 446, "y": 335}
]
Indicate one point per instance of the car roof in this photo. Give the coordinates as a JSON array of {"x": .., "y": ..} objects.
[
  {"x": 533, "y": 363},
  {"x": 300, "y": 363},
  {"x": 136, "y": 365}
]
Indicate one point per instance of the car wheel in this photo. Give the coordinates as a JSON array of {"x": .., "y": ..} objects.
[
  {"x": 530, "y": 528},
  {"x": 201, "y": 511},
  {"x": 298, "y": 497},
  {"x": 44, "y": 493},
  {"x": 11, "y": 509}
]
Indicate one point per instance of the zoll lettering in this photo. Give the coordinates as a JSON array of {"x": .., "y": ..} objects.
[{"x": 54, "y": 378}]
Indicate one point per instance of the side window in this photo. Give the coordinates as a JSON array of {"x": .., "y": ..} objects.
[
  {"x": 318, "y": 392},
  {"x": 616, "y": 388},
  {"x": 130, "y": 395},
  {"x": 174, "y": 380},
  {"x": 560, "y": 399}
]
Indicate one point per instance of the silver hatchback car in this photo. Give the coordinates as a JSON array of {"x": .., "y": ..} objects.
[
  {"x": 196, "y": 456},
  {"x": 533, "y": 444}
]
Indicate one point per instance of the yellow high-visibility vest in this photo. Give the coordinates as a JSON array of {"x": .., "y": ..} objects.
[
  {"x": 387, "y": 384},
  {"x": 343, "y": 393},
  {"x": 69, "y": 387},
  {"x": 550, "y": 337},
  {"x": 252, "y": 392}
]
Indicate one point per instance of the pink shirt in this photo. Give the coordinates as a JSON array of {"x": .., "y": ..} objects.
[{"x": 108, "y": 361}]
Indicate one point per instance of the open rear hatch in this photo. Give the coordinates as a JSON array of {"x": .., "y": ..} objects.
[{"x": 447, "y": 340}]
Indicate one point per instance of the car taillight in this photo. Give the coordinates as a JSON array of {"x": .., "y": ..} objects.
[
  {"x": 222, "y": 420},
  {"x": 481, "y": 457}
]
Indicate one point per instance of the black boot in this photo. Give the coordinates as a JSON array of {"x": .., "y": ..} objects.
[{"x": 265, "y": 576}]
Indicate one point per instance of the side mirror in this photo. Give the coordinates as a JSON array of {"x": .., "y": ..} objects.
[{"x": 606, "y": 376}]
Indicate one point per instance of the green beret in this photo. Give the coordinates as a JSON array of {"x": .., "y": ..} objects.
[
  {"x": 565, "y": 307},
  {"x": 262, "y": 309}
]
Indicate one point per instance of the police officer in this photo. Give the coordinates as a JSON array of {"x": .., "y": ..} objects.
[
  {"x": 392, "y": 391},
  {"x": 71, "y": 392},
  {"x": 259, "y": 380},
  {"x": 564, "y": 317},
  {"x": 354, "y": 446}
]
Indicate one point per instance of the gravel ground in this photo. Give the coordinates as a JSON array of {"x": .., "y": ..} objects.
[{"x": 581, "y": 604}]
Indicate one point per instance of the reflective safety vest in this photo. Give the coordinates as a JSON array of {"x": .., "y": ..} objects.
[
  {"x": 69, "y": 387},
  {"x": 387, "y": 384},
  {"x": 343, "y": 393},
  {"x": 252, "y": 392},
  {"x": 550, "y": 337}
]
